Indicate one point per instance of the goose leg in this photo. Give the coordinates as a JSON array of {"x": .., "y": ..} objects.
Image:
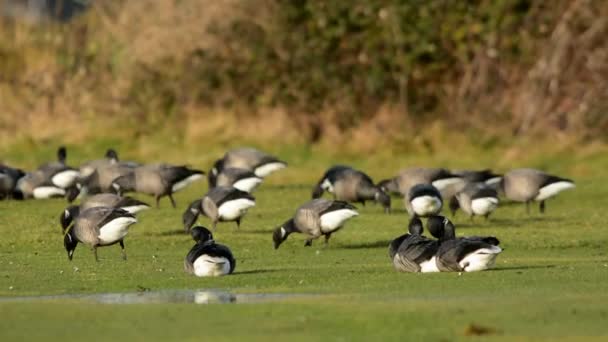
[
  {"x": 528, "y": 207},
  {"x": 172, "y": 200},
  {"x": 308, "y": 242},
  {"x": 541, "y": 207},
  {"x": 327, "y": 236},
  {"x": 214, "y": 224},
  {"x": 487, "y": 216},
  {"x": 95, "y": 253},
  {"x": 122, "y": 251},
  {"x": 157, "y": 201},
  {"x": 238, "y": 223}
]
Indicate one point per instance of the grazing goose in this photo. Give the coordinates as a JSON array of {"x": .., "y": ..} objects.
[
  {"x": 413, "y": 252},
  {"x": 242, "y": 179},
  {"x": 157, "y": 180},
  {"x": 442, "y": 179},
  {"x": 423, "y": 200},
  {"x": 220, "y": 204},
  {"x": 100, "y": 180},
  {"x": 478, "y": 176},
  {"x": 526, "y": 185},
  {"x": 315, "y": 218},
  {"x": 98, "y": 227},
  {"x": 129, "y": 204},
  {"x": 475, "y": 199},
  {"x": 262, "y": 164},
  {"x": 350, "y": 185},
  {"x": 468, "y": 254},
  {"x": 9, "y": 177},
  {"x": 207, "y": 258}
]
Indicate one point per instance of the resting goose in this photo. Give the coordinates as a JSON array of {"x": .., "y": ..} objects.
[
  {"x": 207, "y": 258},
  {"x": 315, "y": 218},
  {"x": 413, "y": 252},
  {"x": 350, "y": 185},
  {"x": 98, "y": 227},
  {"x": 468, "y": 254},
  {"x": 157, "y": 180},
  {"x": 220, "y": 204},
  {"x": 527, "y": 185}
]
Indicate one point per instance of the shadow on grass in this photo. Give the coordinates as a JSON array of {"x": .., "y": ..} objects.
[
  {"x": 258, "y": 231},
  {"x": 503, "y": 223},
  {"x": 256, "y": 271},
  {"x": 521, "y": 268},
  {"x": 365, "y": 245},
  {"x": 174, "y": 232}
]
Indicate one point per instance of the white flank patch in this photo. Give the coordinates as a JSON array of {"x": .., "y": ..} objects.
[
  {"x": 43, "y": 192},
  {"x": 481, "y": 259},
  {"x": 185, "y": 182},
  {"x": 429, "y": 266},
  {"x": 115, "y": 230},
  {"x": 265, "y": 170},
  {"x": 553, "y": 189},
  {"x": 86, "y": 171},
  {"x": 335, "y": 219},
  {"x": 441, "y": 184},
  {"x": 283, "y": 232},
  {"x": 326, "y": 185},
  {"x": 134, "y": 209},
  {"x": 493, "y": 180},
  {"x": 247, "y": 184},
  {"x": 65, "y": 179},
  {"x": 234, "y": 209},
  {"x": 426, "y": 205},
  {"x": 208, "y": 266},
  {"x": 483, "y": 206}
]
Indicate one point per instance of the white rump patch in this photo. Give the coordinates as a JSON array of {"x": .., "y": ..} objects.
[
  {"x": 483, "y": 206},
  {"x": 234, "y": 209},
  {"x": 553, "y": 189},
  {"x": 208, "y": 266},
  {"x": 426, "y": 205},
  {"x": 493, "y": 180},
  {"x": 481, "y": 259},
  {"x": 43, "y": 192},
  {"x": 247, "y": 184},
  {"x": 333, "y": 220},
  {"x": 327, "y": 186},
  {"x": 429, "y": 266},
  {"x": 115, "y": 230},
  {"x": 266, "y": 169},
  {"x": 442, "y": 184},
  {"x": 65, "y": 179},
  {"x": 86, "y": 171},
  {"x": 134, "y": 209},
  {"x": 185, "y": 182}
]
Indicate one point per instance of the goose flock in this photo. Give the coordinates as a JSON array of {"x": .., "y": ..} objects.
[{"x": 105, "y": 214}]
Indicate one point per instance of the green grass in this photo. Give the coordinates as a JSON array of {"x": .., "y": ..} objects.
[{"x": 551, "y": 281}]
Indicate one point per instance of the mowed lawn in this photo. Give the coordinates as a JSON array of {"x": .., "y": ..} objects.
[{"x": 551, "y": 281}]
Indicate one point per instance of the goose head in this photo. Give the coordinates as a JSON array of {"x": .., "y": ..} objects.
[{"x": 281, "y": 233}]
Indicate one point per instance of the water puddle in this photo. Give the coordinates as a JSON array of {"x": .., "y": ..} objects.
[{"x": 166, "y": 296}]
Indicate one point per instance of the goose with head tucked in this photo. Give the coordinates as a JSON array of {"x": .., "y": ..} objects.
[
  {"x": 350, "y": 185},
  {"x": 220, "y": 204},
  {"x": 242, "y": 179},
  {"x": 157, "y": 180},
  {"x": 208, "y": 258},
  {"x": 260, "y": 163},
  {"x": 316, "y": 218},
  {"x": 476, "y": 199},
  {"x": 423, "y": 200},
  {"x": 527, "y": 185},
  {"x": 463, "y": 254},
  {"x": 98, "y": 227},
  {"x": 414, "y": 252}
]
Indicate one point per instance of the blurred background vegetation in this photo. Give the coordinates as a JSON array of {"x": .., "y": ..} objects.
[{"x": 341, "y": 73}]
